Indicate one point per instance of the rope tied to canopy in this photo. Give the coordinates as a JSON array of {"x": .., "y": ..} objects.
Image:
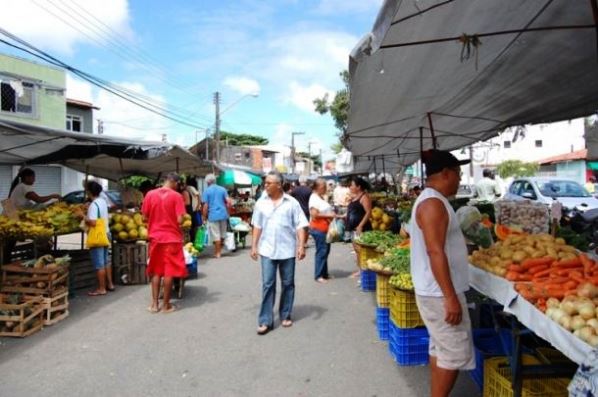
[{"x": 469, "y": 47}]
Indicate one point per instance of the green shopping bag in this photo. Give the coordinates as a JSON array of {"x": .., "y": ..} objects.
[{"x": 200, "y": 238}]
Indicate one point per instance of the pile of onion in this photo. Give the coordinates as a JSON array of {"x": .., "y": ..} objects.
[{"x": 578, "y": 314}]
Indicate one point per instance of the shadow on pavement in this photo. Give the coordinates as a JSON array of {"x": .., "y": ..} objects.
[
  {"x": 340, "y": 273},
  {"x": 197, "y": 295},
  {"x": 301, "y": 312}
]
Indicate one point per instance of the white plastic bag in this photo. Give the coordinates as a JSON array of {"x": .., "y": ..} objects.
[{"x": 229, "y": 241}]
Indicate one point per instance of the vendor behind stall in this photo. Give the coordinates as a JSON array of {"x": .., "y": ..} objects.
[{"x": 22, "y": 194}]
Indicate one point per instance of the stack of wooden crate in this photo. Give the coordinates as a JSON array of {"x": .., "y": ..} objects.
[
  {"x": 129, "y": 263},
  {"x": 20, "y": 317},
  {"x": 47, "y": 284}
]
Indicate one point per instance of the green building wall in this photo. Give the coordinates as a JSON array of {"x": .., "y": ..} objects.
[{"x": 49, "y": 92}]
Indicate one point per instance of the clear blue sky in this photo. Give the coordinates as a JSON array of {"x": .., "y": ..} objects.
[{"x": 180, "y": 52}]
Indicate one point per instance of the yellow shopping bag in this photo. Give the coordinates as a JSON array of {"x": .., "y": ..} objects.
[{"x": 97, "y": 236}]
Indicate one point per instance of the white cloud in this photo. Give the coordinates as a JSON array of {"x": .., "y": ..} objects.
[
  {"x": 39, "y": 21},
  {"x": 242, "y": 85},
  {"x": 78, "y": 89},
  {"x": 311, "y": 61},
  {"x": 302, "y": 96},
  {"x": 328, "y": 7},
  {"x": 282, "y": 134},
  {"x": 126, "y": 120}
]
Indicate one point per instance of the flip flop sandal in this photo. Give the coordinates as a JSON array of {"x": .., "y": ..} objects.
[
  {"x": 153, "y": 309},
  {"x": 287, "y": 323},
  {"x": 263, "y": 329},
  {"x": 95, "y": 293},
  {"x": 110, "y": 289}
]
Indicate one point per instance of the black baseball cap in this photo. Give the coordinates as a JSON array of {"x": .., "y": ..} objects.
[{"x": 437, "y": 160}]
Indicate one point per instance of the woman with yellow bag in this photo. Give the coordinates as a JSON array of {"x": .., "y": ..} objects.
[{"x": 98, "y": 239}]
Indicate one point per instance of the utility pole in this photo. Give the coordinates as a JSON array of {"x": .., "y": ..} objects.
[
  {"x": 207, "y": 144},
  {"x": 217, "y": 125},
  {"x": 293, "y": 149}
]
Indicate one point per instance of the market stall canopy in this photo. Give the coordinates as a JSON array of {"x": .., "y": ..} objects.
[
  {"x": 237, "y": 177},
  {"x": 463, "y": 71},
  {"x": 102, "y": 156}
]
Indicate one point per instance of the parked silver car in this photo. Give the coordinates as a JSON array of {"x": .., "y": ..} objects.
[{"x": 544, "y": 190}]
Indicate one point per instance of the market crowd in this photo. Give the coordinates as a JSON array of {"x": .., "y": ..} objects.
[{"x": 284, "y": 217}]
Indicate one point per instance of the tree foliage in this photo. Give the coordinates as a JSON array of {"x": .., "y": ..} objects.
[
  {"x": 234, "y": 139},
  {"x": 517, "y": 169},
  {"x": 338, "y": 108},
  {"x": 314, "y": 157},
  {"x": 134, "y": 181}
]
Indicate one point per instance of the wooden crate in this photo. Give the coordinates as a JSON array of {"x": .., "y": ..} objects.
[
  {"x": 27, "y": 317},
  {"x": 129, "y": 262},
  {"x": 56, "y": 308},
  {"x": 26, "y": 280},
  {"x": 82, "y": 274}
]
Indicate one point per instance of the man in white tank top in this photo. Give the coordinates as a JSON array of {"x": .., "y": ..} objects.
[{"x": 440, "y": 272}]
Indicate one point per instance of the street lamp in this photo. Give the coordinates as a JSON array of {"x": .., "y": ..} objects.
[
  {"x": 219, "y": 113},
  {"x": 293, "y": 149}
]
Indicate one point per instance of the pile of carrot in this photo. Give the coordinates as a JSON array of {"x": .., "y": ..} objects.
[{"x": 543, "y": 278}]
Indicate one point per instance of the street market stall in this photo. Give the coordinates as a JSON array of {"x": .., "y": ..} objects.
[{"x": 106, "y": 157}]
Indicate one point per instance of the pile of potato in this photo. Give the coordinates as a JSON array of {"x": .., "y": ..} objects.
[{"x": 517, "y": 248}]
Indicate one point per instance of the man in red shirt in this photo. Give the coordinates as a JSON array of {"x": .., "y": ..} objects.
[{"x": 163, "y": 209}]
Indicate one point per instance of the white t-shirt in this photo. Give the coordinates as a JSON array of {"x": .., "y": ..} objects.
[
  {"x": 315, "y": 201},
  {"x": 18, "y": 196},
  {"x": 92, "y": 211}
]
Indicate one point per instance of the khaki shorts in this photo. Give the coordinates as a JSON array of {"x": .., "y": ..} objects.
[
  {"x": 218, "y": 230},
  {"x": 451, "y": 345}
]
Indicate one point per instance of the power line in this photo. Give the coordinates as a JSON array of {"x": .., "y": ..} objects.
[
  {"x": 94, "y": 80},
  {"x": 119, "y": 51},
  {"x": 123, "y": 51}
]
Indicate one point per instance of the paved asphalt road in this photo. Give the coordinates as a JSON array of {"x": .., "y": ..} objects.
[{"x": 111, "y": 346}]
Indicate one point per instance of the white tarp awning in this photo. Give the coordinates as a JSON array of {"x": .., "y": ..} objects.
[
  {"x": 106, "y": 157},
  {"x": 469, "y": 89}
]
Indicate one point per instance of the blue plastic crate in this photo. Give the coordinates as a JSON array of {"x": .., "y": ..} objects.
[
  {"x": 488, "y": 343},
  {"x": 408, "y": 346},
  {"x": 192, "y": 269},
  {"x": 368, "y": 280},
  {"x": 382, "y": 322}
]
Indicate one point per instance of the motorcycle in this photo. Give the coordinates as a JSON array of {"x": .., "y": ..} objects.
[{"x": 583, "y": 223}]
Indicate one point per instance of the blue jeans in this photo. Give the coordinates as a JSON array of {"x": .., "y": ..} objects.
[
  {"x": 99, "y": 257},
  {"x": 322, "y": 252},
  {"x": 286, "y": 267}
]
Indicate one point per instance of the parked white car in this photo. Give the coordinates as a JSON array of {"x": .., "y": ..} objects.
[{"x": 544, "y": 190}]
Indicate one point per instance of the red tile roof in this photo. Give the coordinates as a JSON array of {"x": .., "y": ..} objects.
[
  {"x": 81, "y": 104},
  {"x": 561, "y": 158}
]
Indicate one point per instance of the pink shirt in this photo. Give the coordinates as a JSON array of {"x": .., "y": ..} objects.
[{"x": 162, "y": 207}]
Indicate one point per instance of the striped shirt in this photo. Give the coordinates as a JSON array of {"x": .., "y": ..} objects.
[{"x": 279, "y": 226}]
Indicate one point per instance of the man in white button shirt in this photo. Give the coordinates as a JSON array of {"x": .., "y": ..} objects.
[
  {"x": 278, "y": 236},
  {"x": 439, "y": 267},
  {"x": 487, "y": 188}
]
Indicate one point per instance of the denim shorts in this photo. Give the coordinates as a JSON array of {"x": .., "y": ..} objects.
[{"x": 99, "y": 257}]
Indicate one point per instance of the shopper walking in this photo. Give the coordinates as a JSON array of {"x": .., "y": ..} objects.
[
  {"x": 321, "y": 214},
  {"x": 164, "y": 209},
  {"x": 440, "y": 272},
  {"x": 98, "y": 209},
  {"x": 359, "y": 211},
  {"x": 278, "y": 237},
  {"x": 215, "y": 202}
]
